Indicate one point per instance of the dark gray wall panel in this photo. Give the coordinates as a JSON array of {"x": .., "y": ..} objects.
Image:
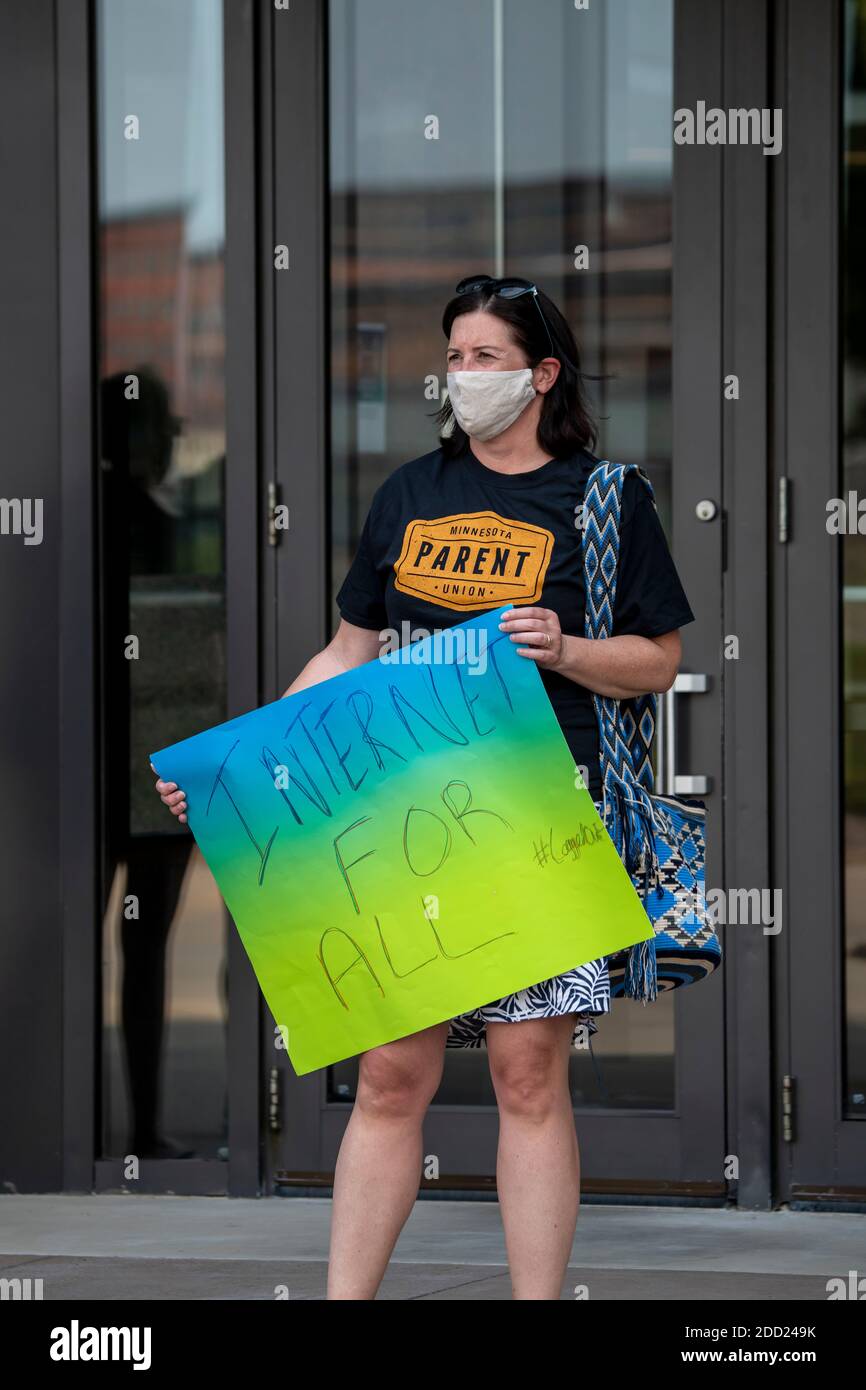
[{"x": 30, "y": 921}]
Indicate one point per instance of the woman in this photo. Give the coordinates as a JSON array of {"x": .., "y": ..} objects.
[{"x": 512, "y": 463}]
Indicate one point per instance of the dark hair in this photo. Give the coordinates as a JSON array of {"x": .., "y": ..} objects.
[
  {"x": 566, "y": 423},
  {"x": 136, "y": 433}
]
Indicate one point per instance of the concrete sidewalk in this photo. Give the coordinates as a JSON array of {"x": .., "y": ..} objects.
[{"x": 123, "y": 1247}]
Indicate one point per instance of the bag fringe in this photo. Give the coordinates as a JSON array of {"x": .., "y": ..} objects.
[{"x": 630, "y": 820}]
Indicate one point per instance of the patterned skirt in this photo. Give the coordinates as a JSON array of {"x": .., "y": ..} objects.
[{"x": 584, "y": 992}]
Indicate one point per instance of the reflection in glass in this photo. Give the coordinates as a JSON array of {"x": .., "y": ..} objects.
[
  {"x": 854, "y": 558},
  {"x": 161, "y": 499},
  {"x": 544, "y": 129}
]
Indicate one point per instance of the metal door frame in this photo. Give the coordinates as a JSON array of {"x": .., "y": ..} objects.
[
  {"x": 292, "y": 75},
  {"x": 826, "y": 1158},
  {"x": 747, "y": 507},
  {"x": 721, "y": 217}
]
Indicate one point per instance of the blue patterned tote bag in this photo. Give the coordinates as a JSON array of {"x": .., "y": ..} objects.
[{"x": 659, "y": 838}]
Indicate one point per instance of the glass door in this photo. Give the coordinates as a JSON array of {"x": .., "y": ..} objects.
[
  {"x": 530, "y": 140},
  {"x": 165, "y": 522}
]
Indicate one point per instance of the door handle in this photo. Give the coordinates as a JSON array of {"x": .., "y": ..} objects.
[{"x": 669, "y": 782}]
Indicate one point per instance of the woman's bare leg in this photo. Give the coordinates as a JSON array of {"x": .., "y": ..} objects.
[
  {"x": 379, "y": 1165},
  {"x": 538, "y": 1164}
]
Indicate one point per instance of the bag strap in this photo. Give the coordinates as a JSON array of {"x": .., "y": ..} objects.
[
  {"x": 626, "y": 728},
  {"x": 634, "y": 719}
]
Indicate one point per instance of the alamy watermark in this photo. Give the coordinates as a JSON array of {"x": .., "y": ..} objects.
[
  {"x": 846, "y": 516},
  {"x": 449, "y": 646},
  {"x": 22, "y": 516},
  {"x": 77, "y": 1343},
  {"x": 738, "y": 126}
]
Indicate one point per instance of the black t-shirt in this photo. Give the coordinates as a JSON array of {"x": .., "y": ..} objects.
[{"x": 446, "y": 540}]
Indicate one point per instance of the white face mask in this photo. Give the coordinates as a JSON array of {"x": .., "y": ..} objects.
[{"x": 486, "y": 403}]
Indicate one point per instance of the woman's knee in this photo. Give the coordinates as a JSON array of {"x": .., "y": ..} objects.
[
  {"x": 530, "y": 1080},
  {"x": 401, "y": 1078}
]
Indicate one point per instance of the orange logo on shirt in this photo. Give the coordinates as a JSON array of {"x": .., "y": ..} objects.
[{"x": 475, "y": 561}]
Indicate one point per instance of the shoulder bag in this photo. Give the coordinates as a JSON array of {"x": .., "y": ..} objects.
[{"x": 659, "y": 838}]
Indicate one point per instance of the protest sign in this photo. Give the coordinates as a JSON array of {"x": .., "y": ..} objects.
[{"x": 404, "y": 843}]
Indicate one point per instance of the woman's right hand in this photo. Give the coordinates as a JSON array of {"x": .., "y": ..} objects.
[{"x": 174, "y": 798}]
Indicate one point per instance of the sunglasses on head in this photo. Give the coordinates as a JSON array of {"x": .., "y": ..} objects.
[{"x": 509, "y": 287}]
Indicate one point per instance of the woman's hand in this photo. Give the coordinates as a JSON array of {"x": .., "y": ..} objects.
[
  {"x": 538, "y": 632},
  {"x": 174, "y": 798}
]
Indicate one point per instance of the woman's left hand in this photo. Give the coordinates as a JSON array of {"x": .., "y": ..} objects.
[{"x": 538, "y": 632}]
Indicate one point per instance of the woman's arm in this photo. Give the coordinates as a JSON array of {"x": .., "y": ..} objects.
[
  {"x": 617, "y": 666},
  {"x": 622, "y": 666},
  {"x": 350, "y": 646}
]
